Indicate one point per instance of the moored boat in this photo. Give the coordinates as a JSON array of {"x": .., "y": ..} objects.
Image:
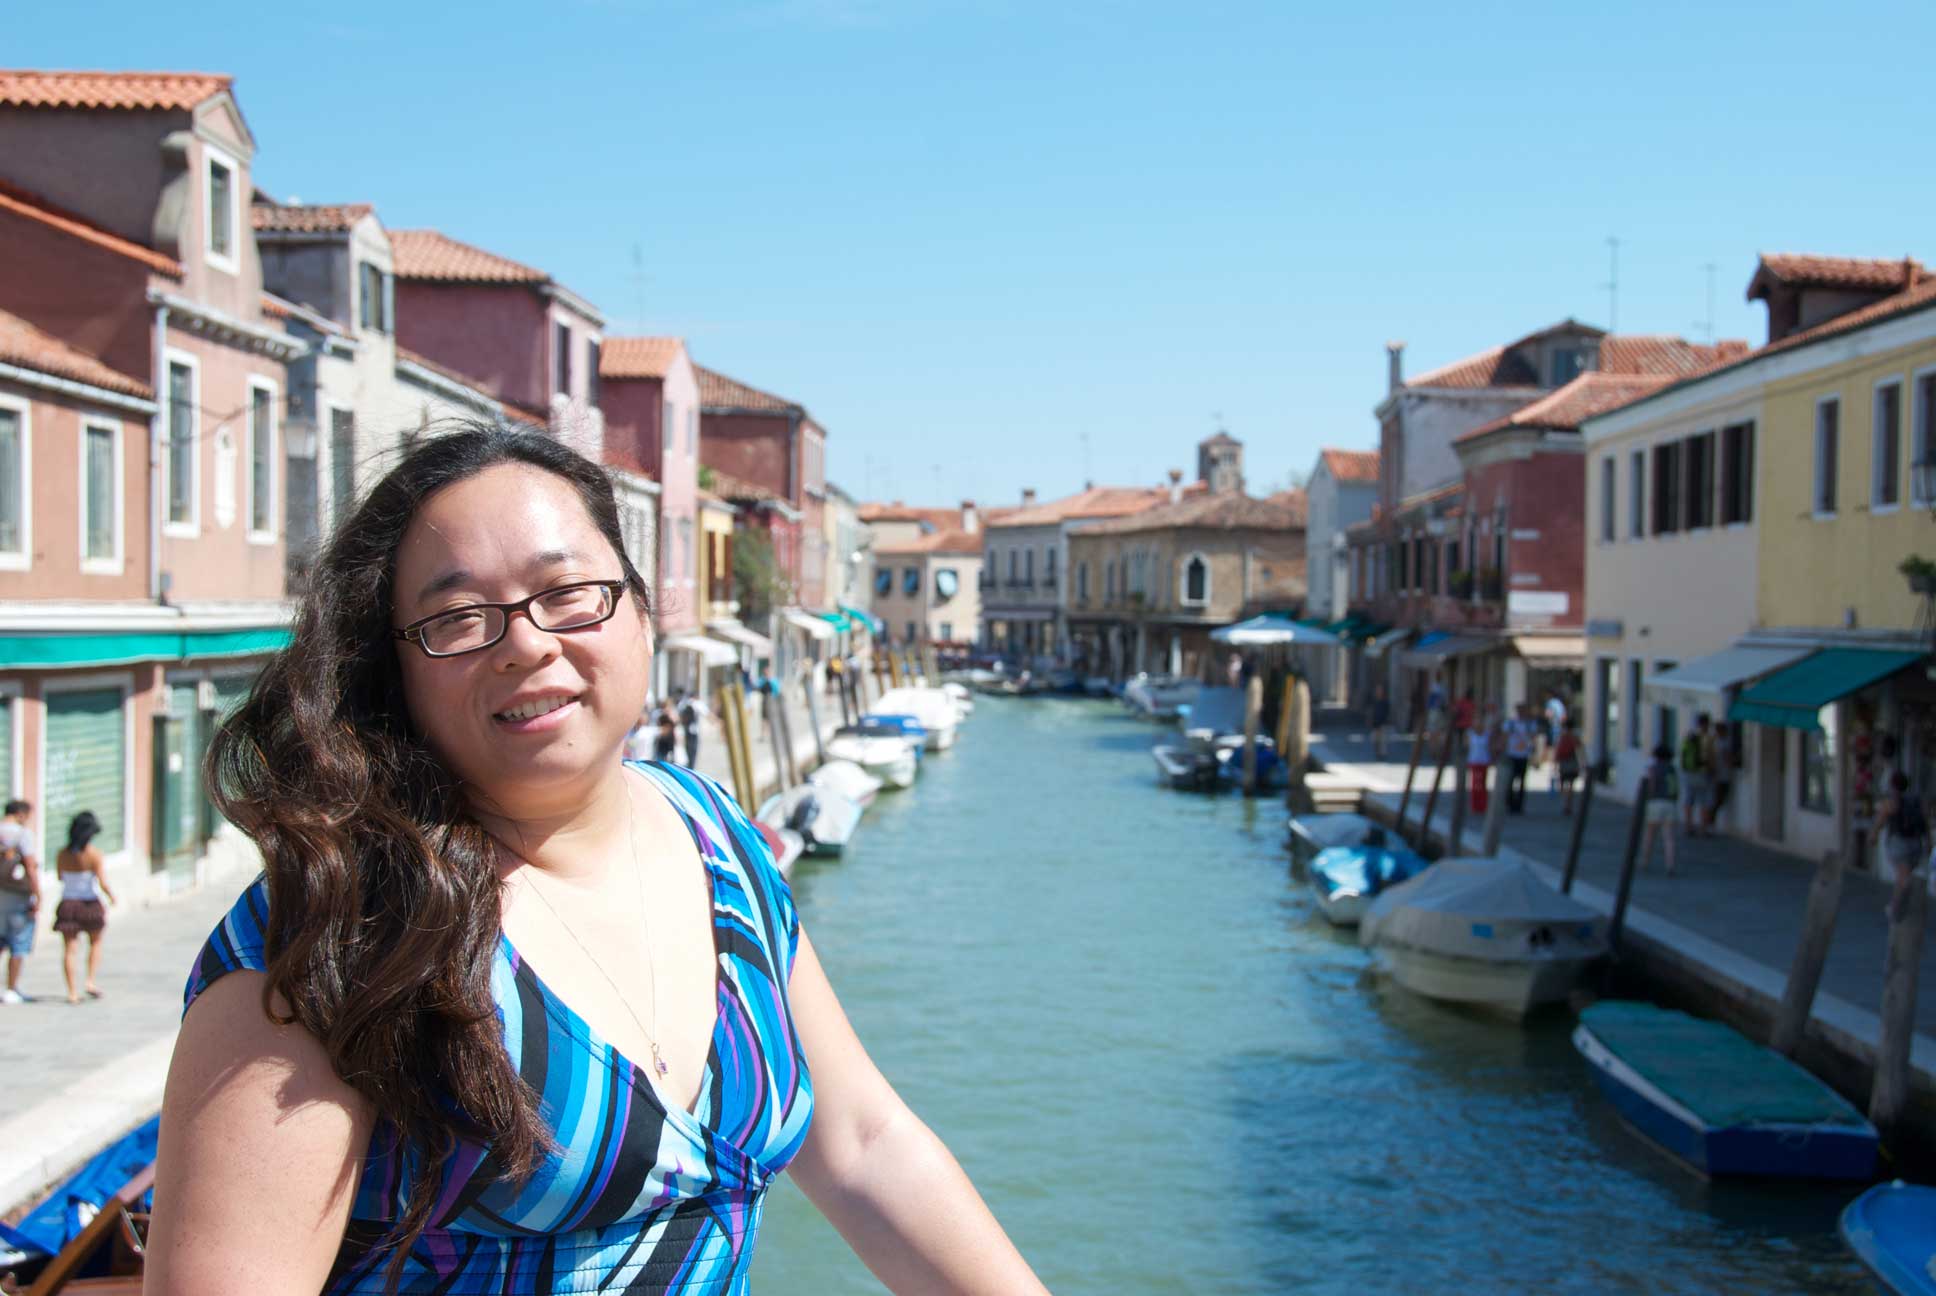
[
  {"x": 931, "y": 708},
  {"x": 893, "y": 758},
  {"x": 88, "y": 1232},
  {"x": 1892, "y": 1230},
  {"x": 1717, "y": 1100},
  {"x": 1159, "y": 697},
  {"x": 1188, "y": 767},
  {"x": 823, "y": 817},
  {"x": 847, "y": 778},
  {"x": 1483, "y": 933},
  {"x": 787, "y": 846},
  {"x": 1346, "y": 879},
  {"x": 1311, "y": 833}
]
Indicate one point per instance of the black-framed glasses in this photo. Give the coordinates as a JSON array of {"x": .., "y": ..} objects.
[{"x": 474, "y": 626}]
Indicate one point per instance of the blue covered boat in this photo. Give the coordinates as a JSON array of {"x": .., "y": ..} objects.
[
  {"x": 1717, "y": 1100},
  {"x": 60, "y": 1218},
  {"x": 1892, "y": 1230},
  {"x": 1345, "y": 879}
]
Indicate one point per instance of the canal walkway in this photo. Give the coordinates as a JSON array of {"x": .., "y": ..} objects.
[
  {"x": 1732, "y": 914},
  {"x": 81, "y": 1075}
]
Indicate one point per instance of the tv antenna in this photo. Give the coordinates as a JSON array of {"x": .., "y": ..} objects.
[{"x": 1612, "y": 284}]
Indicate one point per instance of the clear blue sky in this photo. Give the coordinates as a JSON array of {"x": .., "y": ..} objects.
[{"x": 967, "y": 232}]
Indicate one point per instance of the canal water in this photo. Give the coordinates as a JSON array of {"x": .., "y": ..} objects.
[{"x": 1167, "y": 1073}]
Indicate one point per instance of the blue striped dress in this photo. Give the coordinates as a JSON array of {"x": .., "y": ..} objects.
[{"x": 643, "y": 1196}]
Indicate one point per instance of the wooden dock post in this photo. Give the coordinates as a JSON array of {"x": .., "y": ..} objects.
[
  {"x": 1296, "y": 751},
  {"x": 1496, "y": 810},
  {"x": 775, "y": 732},
  {"x": 1818, "y": 930},
  {"x": 1284, "y": 705},
  {"x": 1579, "y": 835},
  {"x": 1636, "y": 825},
  {"x": 813, "y": 721},
  {"x": 1432, "y": 798},
  {"x": 739, "y": 745},
  {"x": 1889, "y": 1099},
  {"x": 1405, "y": 800},
  {"x": 1253, "y": 710},
  {"x": 1461, "y": 797},
  {"x": 723, "y": 705}
]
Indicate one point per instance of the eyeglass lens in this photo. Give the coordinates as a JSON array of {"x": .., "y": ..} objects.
[{"x": 566, "y": 608}]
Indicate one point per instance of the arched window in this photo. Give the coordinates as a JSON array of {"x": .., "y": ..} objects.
[{"x": 1196, "y": 579}]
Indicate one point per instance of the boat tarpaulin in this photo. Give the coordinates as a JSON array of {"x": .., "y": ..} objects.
[
  {"x": 1792, "y": 697},
  {"x": 1476, "y": 908},
  {"x": 1365, "y": 870},
  {"x": 1701, "y": 682},
  {"x": 709, "y": 651}
]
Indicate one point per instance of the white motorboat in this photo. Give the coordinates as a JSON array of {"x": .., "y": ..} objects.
[
  {"x": 1309, "y": 834},
  {"x": 894, "y": 761},
  {"x": 1158, "y": 697},
  {"x": 1484, "y": 933},
  {"x": 847, "y": 778},
  {"x": 964, "y": 700},
  {"x": 823, "y": 817},
  {"x": 932, "y": 708},
  {"x": 1186, "y": 766}
]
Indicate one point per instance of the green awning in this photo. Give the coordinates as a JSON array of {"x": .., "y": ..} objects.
[
  {"x": 57, "y": 650},
  {"x": 1791, "y": 697},
  {"x": 865, "y": 620},
  {"x": 838, "y": 620}
]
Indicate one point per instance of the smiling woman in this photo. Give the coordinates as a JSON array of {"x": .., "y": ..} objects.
[{"x": 504, "y": 1013}]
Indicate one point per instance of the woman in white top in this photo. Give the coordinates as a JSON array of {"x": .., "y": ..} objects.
[{"x": 82, "y": 885}]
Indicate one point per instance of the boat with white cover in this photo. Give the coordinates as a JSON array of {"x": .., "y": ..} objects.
[
  {"x": 1312, "y": 833},
  {"x": 964, "y": 700},
  {"x": 1483, "y": 933},
  {"x": 823, "y": 817},
  {"x": 893, "y": 760},
  {"x": 847, "y": 778},
  {"x": 1158, "y": 697},
  {"x": 934, "y": 709},
  {"x": 1346, "y": 879}
]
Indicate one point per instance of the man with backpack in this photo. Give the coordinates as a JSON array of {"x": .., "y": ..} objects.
[
  {"x": 1696, "y": 752},
  {"x": 19, "y": 894},
  {"x": 1903, "y": 826}
]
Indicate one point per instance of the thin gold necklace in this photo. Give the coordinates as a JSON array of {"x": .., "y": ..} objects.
[{"x": 645, "y": 924}]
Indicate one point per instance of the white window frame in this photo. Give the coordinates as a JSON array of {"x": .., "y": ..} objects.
[
  {"x": 115, "y": 565},
  {"x": 1183, "y": 580},
  {"x": 192, "y": 528},
  {"x": 231, "y": 261},
  {"x": 123, "y": 680},
  {"x": 1815, "y": 509},
  {"x": 1875, "y": 443},
  {"x": 1922, "y": 434},
  {"x": 258, "y": 383},
  {"x": 24, "y": 560}
]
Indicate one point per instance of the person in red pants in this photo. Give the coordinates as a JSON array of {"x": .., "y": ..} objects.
[{"x": 1480, "y": 741}]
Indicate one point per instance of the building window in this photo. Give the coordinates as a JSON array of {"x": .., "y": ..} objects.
[
  {"x": 15, "y": 473},
  {"x": 1014, "y": 567},
  {"x": 101, "y": 497},
  {"x": 1699, "y": 453},
  {"x": 1923, "y": 446},
  {"x": 911, "y": 582},
  {"x": 1566, "y": 365},
  {"x": 1048, "y": 567},
  {"x": 883, "y": 581},
  {"x": 1667, "y": 488},
  {"x": 1637, "y": 495},
  {"x": 1196, "y": 580},
  {"x": 1109, "y": 581},
  {"x": 1667, "y": 719},
  {"x": 262, "y": 461},
  {"x": 1886, "y": 483},
  {"x": 372, "y": 298},
  {"x": 1818, "y": 764},
  {"x": 342, "y": 464},
  {"x": 1737, "y": 473},
  {"x": 911, "y": 636},
  {"x": 1828, "y": 419},
  {"x": 1082, "y": 582},
  {"x": 221, "y": 210},
  {"x": 1635, "y": 672},
  {"x": 1404, "y": 581},
  {"x": 1607, "y": 493},
  {"x": 947, "y": 632},
  {"x": 1028, "y": 568},
  {"x": 592, "y": 350},
  {"x": 947, "y": 583},
  {"x": 1607, "y": 735},
  {"x": 183, "y": 444},
  {"x": 561, "y": 358}
]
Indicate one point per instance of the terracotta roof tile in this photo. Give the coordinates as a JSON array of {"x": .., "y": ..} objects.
[
  {"x": 26, "y": 88},
  {"x": 939, "y": 519},
  {"x": 718, "y": 392},
  {"x": 307, "y": 218},
  {"x": 436, "y": 257},
  {"x": 1566, "y": 407},
  {"x": 1222, "y": 511},
  {"x": 24, "y": 345},
  {"x": 1664, "y": 355},
  {"x": 638, "y": 357},
  {"x": 1806, "y": 270},
  {"x": 1095, "y": 502},
  {"x": 938, "y": 542},
  {"x": 1351, "y": 465},
  {"x": 1902, "y": 303},
  {"x": 23, "y": 202}
]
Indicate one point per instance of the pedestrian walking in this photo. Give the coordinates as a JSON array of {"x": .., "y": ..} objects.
[
  {"x": 1521, "y": 736},
  {"x": 1902, "y": 825},
  {"x": 1696, "y": 753},
  {"x": 665, "y": 737},
  {"x": 1380, "y": 720},
  {"x": 1566, "y": 764},
  {"x": 638, "y": 739},
  {"x": 1465, "y": 711},
  {"x": 1723, "y": 760},
  {"x": 80, "y": 912},
  {"x": 1435, "y": 713},
  {"x": 1660, "y": 789},
  {"x": 19, "y": 894},
  {"x": 1479, "y": 752},
  {"x": 374, "y": 1088},
  {"x": 689, "y": 727}
]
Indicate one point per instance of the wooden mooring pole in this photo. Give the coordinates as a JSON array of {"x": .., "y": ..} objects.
[
  {"x": 1889, "y": 1099},
  {"x": 813, "y": 720},
  {"x": 1297, "y": 751},
  {"x": 776, "y": 732},
  {"x": 1405, "y": 800},
  {"x": 1432, "y": 798},
  {"x": 1811, "y": 954},
  {"x": 1579, "y": 834},
  {"x": 1496, "y": 810},
  {"x": 1636, "y": 824},
  {"x": 1253, "y": 709},
  {"x": 1461, "y": 796}
]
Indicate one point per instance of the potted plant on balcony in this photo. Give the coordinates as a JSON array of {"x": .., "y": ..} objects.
[{"x": 1921, "y": 573}]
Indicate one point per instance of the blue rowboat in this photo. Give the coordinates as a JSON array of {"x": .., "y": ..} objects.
[
  {"x": 1718, "y": 1101},
  {"x": 1892, "y": 1230},
  {"x": 1345, "y": 879}
]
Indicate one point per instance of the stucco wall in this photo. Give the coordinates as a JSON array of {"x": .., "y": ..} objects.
[
  {"x": 55, "y": 570},
  {"x": 89, "y": 297},
  {"x": 495, "y": 336},
  {"x": 751, "y": 447}
]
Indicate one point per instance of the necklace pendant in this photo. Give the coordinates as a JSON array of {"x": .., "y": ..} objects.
[{"x": 658, "y": 1061}]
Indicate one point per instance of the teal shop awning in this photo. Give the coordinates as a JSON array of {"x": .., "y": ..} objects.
[
  {"x": 838, "y": 620},
  {"x": 1790, "y": 697},
  {"x": 866, "y": 620},
  {"x": 62, "y": 651}
]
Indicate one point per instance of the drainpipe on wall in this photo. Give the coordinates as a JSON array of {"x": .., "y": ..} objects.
[{"x": 162, "y": 411}]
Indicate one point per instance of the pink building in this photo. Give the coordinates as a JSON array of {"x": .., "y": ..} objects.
[
  {"x": 135, "y": 605},
  {"x": 772, "y": 443}
]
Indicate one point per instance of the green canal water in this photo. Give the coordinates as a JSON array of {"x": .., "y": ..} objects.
[{"x": 1166, "y": 1073}]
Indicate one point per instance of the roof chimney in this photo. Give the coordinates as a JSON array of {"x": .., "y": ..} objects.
[
  {"x": 1176, "y": 484},
  {"x": 1028, "y": 497},
  {"x": 1911, "y": 271},
  {"x": 1395, "y": 365},
  {"x": 970, "y": 519}
]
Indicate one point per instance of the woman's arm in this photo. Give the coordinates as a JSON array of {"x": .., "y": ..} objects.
[
  {"x": 97, "y": 863},
  {"x": 259, "y": 1155},
  {"x": 880, "y": 1176}
]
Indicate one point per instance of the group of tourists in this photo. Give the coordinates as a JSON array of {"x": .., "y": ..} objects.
[
  {"x": 1688, "y": 787},
  {"x": 1520, "y": 738},
  {"x": 660, "y": 728},
  {"x": 79, "y": 866}
]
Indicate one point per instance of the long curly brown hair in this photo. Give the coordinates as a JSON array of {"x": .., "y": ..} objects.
[{"x": 383, "y": 890}]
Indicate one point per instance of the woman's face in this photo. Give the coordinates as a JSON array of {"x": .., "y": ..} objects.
[{"x": 538, "y": 716}]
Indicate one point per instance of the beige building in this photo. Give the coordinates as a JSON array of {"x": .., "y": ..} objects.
[{"x": 928, "y": 588}]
